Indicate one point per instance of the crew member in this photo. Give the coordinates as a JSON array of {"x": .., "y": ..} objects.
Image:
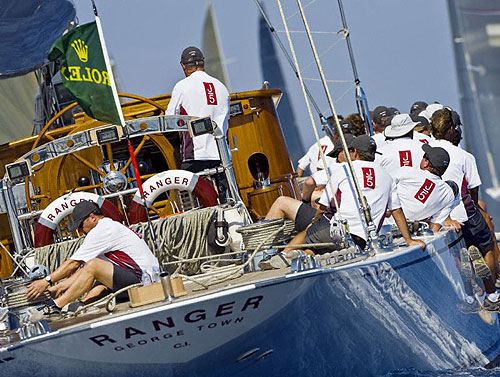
[
  {"x": 477, "y": 234},
  {"x": 399, "y": 149},
  {"x": 200, "y": 95},
  {"x": 424, "y": 196},
  {"x": 110, "y": 254},
  {"x": 312, "y": 158}
]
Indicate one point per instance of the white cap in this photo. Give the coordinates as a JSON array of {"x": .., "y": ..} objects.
[
  {"x": 432, "y": 108},
  {"x": 400, "y": 125}
]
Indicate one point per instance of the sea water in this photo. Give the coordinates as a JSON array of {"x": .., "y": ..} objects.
[{"x": 476, "y": 372}]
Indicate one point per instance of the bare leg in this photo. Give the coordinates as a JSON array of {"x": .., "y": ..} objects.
[
  {"x": 97, "y": 292},
  {"x": 95, "y": 269},
  {"x": 491, "y": 261},
  {"x": 58, "y": 289},
  {"x": 297, "y": 240},
  {"x": 284, "y": 207}
]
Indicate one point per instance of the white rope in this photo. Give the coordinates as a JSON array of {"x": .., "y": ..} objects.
[
  {"x": 327, "y": 50},
  {"x": 296, "y": 13},
  {"x": 331, "y": 81},
  {"x": 303, "y": 32}
]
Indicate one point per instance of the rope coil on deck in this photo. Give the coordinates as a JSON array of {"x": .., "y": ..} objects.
[{"x": 254, "y": 234}]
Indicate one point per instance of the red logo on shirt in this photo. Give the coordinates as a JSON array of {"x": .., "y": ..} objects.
[
  {"x": 369, "y": 177},
  {"x": 425, "y": 141},
  {"x": 323, "y": 148},
  {"x": 425, "y": 191},
  {"x": 405, "y": 158},
  {"x": 210, "y": 92}
]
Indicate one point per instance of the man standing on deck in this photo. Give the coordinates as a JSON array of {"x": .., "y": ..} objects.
[
  {"x": 477, "y": 235},
  {"x": 111, "y": 254},
  {"x": 200, "y": 95}
]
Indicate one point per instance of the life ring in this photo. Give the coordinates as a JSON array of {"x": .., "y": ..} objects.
[
  {"x": 62, "y": 207},
  {"x": 168, "y": 180}
]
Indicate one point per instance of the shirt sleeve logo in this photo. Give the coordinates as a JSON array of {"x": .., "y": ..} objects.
[
  {"x": 424, "y": 141},
  {"x": 369, "y": 177},
  {"x": 210, "y": 92},
  {"x": 323, "y": 148},
  {"x": 425, "y": 191},
  {"x": 405, "y": 158}
]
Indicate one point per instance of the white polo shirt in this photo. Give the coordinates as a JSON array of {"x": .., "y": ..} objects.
[
  {"x": 379, "y": 139},
  {"x": 312, "y": 158},
  {"x": 114, "y": 242},
  {"x": 400, "y": 152},
  {"x": 376, "y": 185},
  {"x": 200, "y": 95},
  {"x": 423, "y": 138},
  {"x": 425, "y": 196}
]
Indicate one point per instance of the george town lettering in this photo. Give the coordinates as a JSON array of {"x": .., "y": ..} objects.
[
  {"x": 154, "y": 331},
  {"x": 76, "y": 73}
]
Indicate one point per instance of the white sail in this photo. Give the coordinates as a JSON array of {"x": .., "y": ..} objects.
[{"x": 214, "y": 58}]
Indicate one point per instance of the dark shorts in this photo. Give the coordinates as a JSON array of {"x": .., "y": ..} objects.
[
  {"x": 319, "y": 232},
  {"x": 305, "y": 214},
  {"x": 123, "y": 277},
  {"x": 476, "y": 232}
]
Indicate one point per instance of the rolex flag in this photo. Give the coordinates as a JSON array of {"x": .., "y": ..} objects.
[{"x": 85, "y": 74}]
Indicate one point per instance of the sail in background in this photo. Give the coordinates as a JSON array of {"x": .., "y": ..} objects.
[
  {"x": 17, "y": 98},
  {"x": 271, "y": 72},
  {"x": 476, "y": 35},
  {"x": 214, "y": 59}
]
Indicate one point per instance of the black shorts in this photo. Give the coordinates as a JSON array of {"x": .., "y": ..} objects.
[
  {"x": 319, "y": 232},
  {"x": 123, "y": 277},
  {"x": 305, "y": 214},
  {"x": 476, "y": 232}
]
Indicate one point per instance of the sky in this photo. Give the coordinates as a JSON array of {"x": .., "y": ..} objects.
[{"x": 403, "y": 49}]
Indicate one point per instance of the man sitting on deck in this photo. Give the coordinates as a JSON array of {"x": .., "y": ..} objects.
[
  {"x": 377, "y": 187},
  {"x": 111, "y": 254}
]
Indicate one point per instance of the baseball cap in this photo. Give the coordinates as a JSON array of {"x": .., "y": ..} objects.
[
  {"x": 191, "y": 55},
  {"x": 337, "y": 147},
  {"x": 400, "y": 125},
  {"x": 364, "y": 143},
  {"x": 419, "y": 119},
  {"x": 81, "y": 211},
  {"x": 437, "y": 156},
  {"x": 378, "y": 113},
  {"x": 418, "y": 107},
  {"x": 346, "y": 126},
  {"x": 391, "y": 111}
]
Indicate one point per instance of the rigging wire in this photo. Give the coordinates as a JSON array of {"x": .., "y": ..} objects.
[
  {"x": 371, "y": 230},
  {"x": 313, "y": 123}
]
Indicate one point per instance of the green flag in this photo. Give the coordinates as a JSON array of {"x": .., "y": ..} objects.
[{"x": 84, "y": 73}]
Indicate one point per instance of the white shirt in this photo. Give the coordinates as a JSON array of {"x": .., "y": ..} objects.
[
  {"x": 114, "y": 242},
  {"x": 425, "y": 196},
  {"x": 462, "y": 170},
  {"x": 200, "y": 95},
  {"x": 423, "y": 138},
  {"x": 377, "y": 187},
  {"x": 379, "y": 139},
  {"x": 400, "y": 152},
  {"x": 320, "y": 176},
  {"x": 313, "y": 157}
]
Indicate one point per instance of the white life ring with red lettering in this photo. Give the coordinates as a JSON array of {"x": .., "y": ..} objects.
[
  {"x": 62, "y": 207},
  {"x": 168, "y": 180}
]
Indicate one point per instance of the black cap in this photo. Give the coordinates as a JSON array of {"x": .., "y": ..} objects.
[
  {"x": 418, "y": 119},
  {"x": 418, "y": 107},
  {"x": 81, "y": 211},
  {"x": 337, "y": 147},
  {"x": 391, "y": 111},
  {"x": 437, "y": 156},
  {"x": 364, "y": 143},
  {"x": 378, "y": 113},
  {"x": 192, "y": 55},
  {"x": 346, "y": 126}
]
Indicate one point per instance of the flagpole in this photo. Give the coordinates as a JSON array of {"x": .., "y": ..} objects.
[{"x": 122, "y": 121}]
